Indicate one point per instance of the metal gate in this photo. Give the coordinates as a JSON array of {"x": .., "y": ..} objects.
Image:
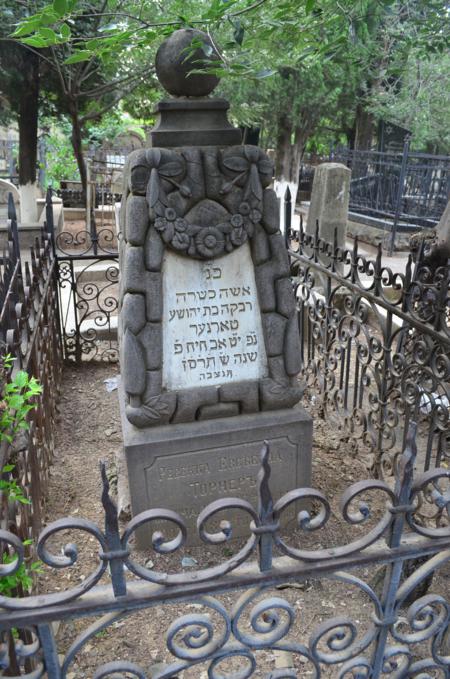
[{"x": 88, "y": 276}]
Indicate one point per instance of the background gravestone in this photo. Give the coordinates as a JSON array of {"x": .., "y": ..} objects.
[
  {"x": 329, "y": 205},
  {"x": 209, "y": 334}
]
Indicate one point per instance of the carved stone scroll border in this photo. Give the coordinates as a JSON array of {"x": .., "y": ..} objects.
[{"x": 202, "y": 203}]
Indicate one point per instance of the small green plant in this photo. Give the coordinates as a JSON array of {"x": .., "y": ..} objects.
[
  {"x": 18, "y": 394},
  {"x": 22, "y": 579},
  {"x": 11, "y": 488},
  {"x": 103, "y": 633}
]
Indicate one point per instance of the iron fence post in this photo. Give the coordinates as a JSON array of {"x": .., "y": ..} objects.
[
  {"x": 394, "y": 569},
  {"x": 400, "y": 190},
  {"x": 49, "y": 221},
  {"x": 42, "y": 162},
  {"x": 12, "y": 217},
  {"x": 265, "y": 511},
  {"x": 51, "y": 660}
]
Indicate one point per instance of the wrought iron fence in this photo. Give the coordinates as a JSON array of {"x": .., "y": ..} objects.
[
  {"x": 376, "y": 349},
  {"x": 87, "y": 274},
  {"x": 403, "y": 634},
  {"x": 411, "y": 187},
  {"x": 376, "y": 357},
  {"x": 30, "y": 331}
]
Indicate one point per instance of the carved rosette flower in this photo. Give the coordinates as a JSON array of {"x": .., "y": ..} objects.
[
  {"x": 181, "y": 239},
  {"x": 166, "y": 225},
  {"x": 210, "y": 242},
  {"x": 238, "y": 234}
]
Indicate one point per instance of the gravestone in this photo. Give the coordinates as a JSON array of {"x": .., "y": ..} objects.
[
  {"x": 7, "y": 188},
  {"x": 209, "y": 339},
  {"x": 329, "y": 205}
]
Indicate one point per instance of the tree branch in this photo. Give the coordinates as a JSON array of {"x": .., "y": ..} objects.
[
  {"x": 96, "y": 114},
  {"x": 108, "y": 87}
]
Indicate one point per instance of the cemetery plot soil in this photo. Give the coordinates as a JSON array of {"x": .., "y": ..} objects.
[{"x": 89, "y": 431}]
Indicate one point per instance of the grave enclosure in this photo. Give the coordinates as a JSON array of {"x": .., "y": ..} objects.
[
  {"x": 210, "y": 347},
  {"x": 374, "y": 351}
]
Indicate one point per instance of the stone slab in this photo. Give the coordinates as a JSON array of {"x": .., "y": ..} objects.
[
  {"x": 185, "y": 467},
  {"x": 212, "y": 331}
]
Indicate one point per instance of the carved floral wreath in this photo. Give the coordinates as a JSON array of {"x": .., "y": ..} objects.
[
  {"x": 208, "y": 241},
  {"x": 247, "y": 167}
]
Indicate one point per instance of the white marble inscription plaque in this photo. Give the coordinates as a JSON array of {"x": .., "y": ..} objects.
[{"x": 212, "y": 330}]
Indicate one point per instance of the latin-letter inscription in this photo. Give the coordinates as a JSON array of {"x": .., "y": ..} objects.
[{"x": 212, "y": 329}]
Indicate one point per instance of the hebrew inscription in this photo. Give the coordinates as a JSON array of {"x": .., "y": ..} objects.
[
  {"x": 212, "y": 330},
  {"x": 208, "y": 325}
]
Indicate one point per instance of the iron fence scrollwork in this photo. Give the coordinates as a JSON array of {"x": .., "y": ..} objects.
[
  {"x": 87, "y": 275},
  {"x": 375, "y": 348},
  {"x": 227, "y": 640}
]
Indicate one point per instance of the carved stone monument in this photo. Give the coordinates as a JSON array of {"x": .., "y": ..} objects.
[{"x": 209, "y": 335}]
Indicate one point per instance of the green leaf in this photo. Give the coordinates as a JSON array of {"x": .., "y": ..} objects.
[
  {"x": 60, "y": 7},
  {"x": 21, "y": 379},
  {"x": 34, "y": 41},
  {"x": 8, "y": 468},
  {"x": 49, "y": 17},
  {"x": 15, "y": 402},
  {"x": 65, "y": 31},
  {"x": 48, "y": 34},
  {"x": 309, "y": 6},
  {"x": 24, "y": 28},
  {"x": 76, "y": 57}
]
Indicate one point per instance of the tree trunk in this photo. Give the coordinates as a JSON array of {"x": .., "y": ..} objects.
[
  {"x": 28, "y": 129},
  {"x": 77, "y": 144},
  {"x": 364, "y": 129},
  {"x": 287, "y": 163}
]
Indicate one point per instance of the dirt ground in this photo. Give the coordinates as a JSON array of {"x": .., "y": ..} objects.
[{"x": 89, "y": 432}]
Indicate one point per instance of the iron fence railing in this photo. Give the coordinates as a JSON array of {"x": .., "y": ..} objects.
[
  {"x": 402, "y": 633},
  {"x": 30, "y": 331},
  {"x": 87, "y": 273},
  {"x": 409, "y": 186},
  {"x": 375, "y": 349}
]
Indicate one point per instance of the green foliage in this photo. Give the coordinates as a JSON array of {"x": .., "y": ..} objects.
[
  {"x": 421, "y": 103},
  {"x": 341, "y": 57},
  {"x": 18, "y": 396},
  {"x": 112, "y": 125},
  {"x": 10, "y": 487},
  {"x": 22, "y": 579},
  {"x": 60, "y": 160}
]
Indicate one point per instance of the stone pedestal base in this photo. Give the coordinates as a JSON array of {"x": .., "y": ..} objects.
[{"x": 184, "y": 467}]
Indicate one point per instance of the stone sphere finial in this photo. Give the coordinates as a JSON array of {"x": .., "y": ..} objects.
[{"x": 172, "y": 66}]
